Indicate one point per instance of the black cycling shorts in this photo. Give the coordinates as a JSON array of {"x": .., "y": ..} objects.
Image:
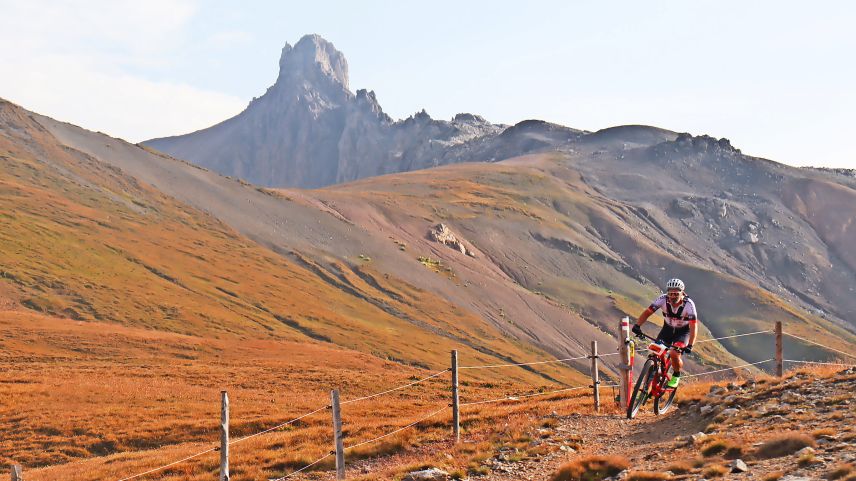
[{"x": 669, "y": 335}]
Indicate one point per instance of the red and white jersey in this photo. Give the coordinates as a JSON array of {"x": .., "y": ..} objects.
[{"x": 676, "y": 316}]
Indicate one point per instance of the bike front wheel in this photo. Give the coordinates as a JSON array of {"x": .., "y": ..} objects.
[
  {"x": 664, "y": 402},
  {"x": 642, "y": 389}
]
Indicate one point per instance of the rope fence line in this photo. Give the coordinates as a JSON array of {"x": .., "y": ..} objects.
[
  {"x": 281, "y": 425},
  {"x": 217, "y": 448},
  {"x": 596, "y": 385},
  {"x": 818, "y": 362},
  {"x": 731, "y": 337},
  {"x": 372, "y": 396},
  {"x": 188, "y": 458},
  {"x": 278, "y": 426},
  {"x": 492, "y": 366},
  {"x": 414, "y": 423},
  {"x": 304, "y": 468},
  {"x": 818, "y": 344},
  {"x": 520, "y": 396},
  {"x": 728, "y": 368}
]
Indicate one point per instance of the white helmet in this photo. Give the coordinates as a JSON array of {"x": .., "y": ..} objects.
[{"x": 675, "y": 284}]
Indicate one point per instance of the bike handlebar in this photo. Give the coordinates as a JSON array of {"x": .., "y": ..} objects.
[{"x": 679, "y": 349}]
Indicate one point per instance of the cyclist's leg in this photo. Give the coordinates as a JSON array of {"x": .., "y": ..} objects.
[{"x": 682, "y": 335}]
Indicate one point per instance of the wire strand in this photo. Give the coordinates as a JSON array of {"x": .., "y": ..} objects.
[
  {"x": 188, "y": 458},
  {"x": 730, "y": 337},
  {"x": 726, "y": 369},
  {"x": 304, "y": 467},
  {"x": 414, "y": 423},
  {"x": 817, "y": 344},
  {"x": 372, "y": 396},
  {"x": 491, "y": 366},
  {"x": 519, "y": 396},
  {"x": 277, "y": 426},
  {"x": 170, "y": 464},
  {"x": 818, "y": 362}
]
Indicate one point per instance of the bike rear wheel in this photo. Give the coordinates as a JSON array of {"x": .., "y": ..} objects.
[
  {"x": 642, "y": 389},
  {"x": 664, "y": 402}
]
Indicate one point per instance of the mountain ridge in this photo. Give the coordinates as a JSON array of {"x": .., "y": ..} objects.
[{"x": 309, "y": 130}]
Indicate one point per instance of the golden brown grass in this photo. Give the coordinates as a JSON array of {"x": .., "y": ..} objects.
[
  {"x": 784, "y": 445},
  {"x": 647, "y": 476},
  {"x": 841, "y": 471},
  {"x": 591, "y": 468},
  {"x": 125, "y": 253},
  {"x": 728, "y": 448},
  {"x": 774, "y": 476},
  {"x": 715, "y": 471},
  {"x": 90, "y": 401},
  {"x": 685, "y": 466}
]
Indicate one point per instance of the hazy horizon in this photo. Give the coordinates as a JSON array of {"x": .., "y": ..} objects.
[{"x": 770, "y": 76}]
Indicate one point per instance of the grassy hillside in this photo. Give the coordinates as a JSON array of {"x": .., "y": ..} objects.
[
  {"x": 539, "y": 223},
  {"x": 83, "y": 241}
]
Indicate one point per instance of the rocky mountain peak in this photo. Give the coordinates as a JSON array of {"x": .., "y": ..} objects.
[
  {"x": 367, "y": 100},
  {"x": 313, "y": 58}
]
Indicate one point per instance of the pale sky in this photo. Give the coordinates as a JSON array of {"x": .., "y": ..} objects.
[{"x": 778, "y": 78}]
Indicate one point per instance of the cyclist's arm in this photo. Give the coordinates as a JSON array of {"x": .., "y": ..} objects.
[
  {"x": 644, "y": 316},
  {"x": 693, "y": 331}
]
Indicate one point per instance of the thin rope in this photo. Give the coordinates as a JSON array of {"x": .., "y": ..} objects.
[
  {"x": 519, "y": 396},
  {"x": 736, "y": 335},
  {"x": 726, "y": 369},
  {"x": 414, "y": 423},
  {"x": 371, "y": 396},
  {"x": 491, "y": 366},
  {"x": 170, "y": 464},
  {"x": 304, "y": 467},
  {"x": 817, "y": 344},
  {"x": 217, "y": 447},
  {"x": 818, "y": 362},
  {"x": 277, "y": 426}
]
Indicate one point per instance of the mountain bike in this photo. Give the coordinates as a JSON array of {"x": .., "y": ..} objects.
[{"x": 651, "y": 383}]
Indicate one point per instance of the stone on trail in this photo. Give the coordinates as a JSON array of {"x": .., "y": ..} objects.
[
  {"x": 714, "y": 390},
  {"x": 738, "y": 466},
  {"x": 730, "y": 412},
  {"x": 432, "y": 474},
  {"x": 805, "y": 451}
]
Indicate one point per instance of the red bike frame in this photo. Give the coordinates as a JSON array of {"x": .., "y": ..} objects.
[{"x": 665, "y": 362}]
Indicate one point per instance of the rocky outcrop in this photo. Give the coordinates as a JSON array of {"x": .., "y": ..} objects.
[
  {"x": 442, "y": 234},
  {"x": 310, "y": 130}
]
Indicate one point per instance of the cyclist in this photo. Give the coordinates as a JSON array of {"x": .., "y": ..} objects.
[{"x": 681, "y": 324}]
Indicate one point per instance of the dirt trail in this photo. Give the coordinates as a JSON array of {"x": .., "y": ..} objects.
[
  {"x": 799, "y": 428},
  {"x": 605, "y": 434}
]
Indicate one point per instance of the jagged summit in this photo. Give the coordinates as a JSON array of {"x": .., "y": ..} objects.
[
  {"x": 310, "y": 130},
  {"x": 313, "y": 59}
]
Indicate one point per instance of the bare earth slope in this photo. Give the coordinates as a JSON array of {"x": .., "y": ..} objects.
[
  {"x": 562, "y": 247},
  {"x": 84, "y": 240}
]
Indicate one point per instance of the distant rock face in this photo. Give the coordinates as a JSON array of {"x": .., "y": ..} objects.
[
  {"x": 309, "y": 130},
  {"x": 442, "y": 234}
]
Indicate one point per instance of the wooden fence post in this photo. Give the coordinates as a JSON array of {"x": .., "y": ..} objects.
[
  {"x": 625, "y": 367},
  {"x": 337, "y": 435},
  {"x": 224, "y": 436},
  {"x": 16, "y": 473},
  {"x": 456, "y": 411},
  {"x": 595, "y": 382},
  {"x": 780, "y": 358}
]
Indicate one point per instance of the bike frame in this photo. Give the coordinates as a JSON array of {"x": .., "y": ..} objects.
[{"x": 662, "y": 361}]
